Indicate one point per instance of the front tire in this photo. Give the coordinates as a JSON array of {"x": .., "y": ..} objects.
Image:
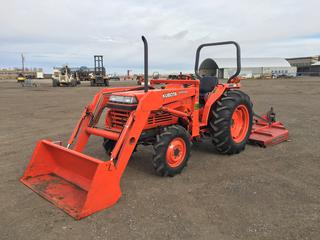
[
  {"x": 54, "y": 83},
  {"x": 231, "y": 122},
  {"x": 171, "y": 151},
  {"x": 108, "y": 145}
]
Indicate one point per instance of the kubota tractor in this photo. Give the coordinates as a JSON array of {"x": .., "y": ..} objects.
[{"x": 168, "y": 114}]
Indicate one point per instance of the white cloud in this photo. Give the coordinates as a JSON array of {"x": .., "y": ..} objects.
[{"x": 55, "y": 32}]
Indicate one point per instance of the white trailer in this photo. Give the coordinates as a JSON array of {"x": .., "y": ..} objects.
[{"x": 39, "y": 75}]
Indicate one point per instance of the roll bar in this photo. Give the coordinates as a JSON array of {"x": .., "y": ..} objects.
[{"x": 238, "y": 52}]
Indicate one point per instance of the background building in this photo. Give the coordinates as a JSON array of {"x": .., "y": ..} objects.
[
  {"x": 260, "y": 68},
  {"x": 12, "y": 73},
  {"x": 306, "y": 66}
]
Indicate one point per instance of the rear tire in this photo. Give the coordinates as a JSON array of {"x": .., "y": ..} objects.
[
  {"x": 171, "y": 151},
  {"x": 231, "y": 122}
]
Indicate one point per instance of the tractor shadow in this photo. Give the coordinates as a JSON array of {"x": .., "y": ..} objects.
[
  {"x": 141, "y": 159},
  {"x": 205, "y": 146}
]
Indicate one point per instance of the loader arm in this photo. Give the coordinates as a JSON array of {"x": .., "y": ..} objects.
[
  {"x": 77, "y": 183},
  {"x": 91, "y": 114},
  {"x": 80, "y": 184}
]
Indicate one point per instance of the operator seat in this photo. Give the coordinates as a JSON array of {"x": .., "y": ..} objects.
[
  {"x": 208, "y": 81},
  {"x": 207, "y": 84}
]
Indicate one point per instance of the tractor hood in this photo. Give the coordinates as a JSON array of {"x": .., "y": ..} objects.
[{"x": 135, "y": 96}]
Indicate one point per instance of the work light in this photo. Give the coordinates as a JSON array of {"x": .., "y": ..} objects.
[{"x": 123, "y": 99}]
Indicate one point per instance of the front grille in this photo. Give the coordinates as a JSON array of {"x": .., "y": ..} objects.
[
  {"x": 159, "y": 117},
  {"x": 118, "y": 119}
]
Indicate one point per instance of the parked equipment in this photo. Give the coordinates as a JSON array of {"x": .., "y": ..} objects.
[
  {"x": 21, "y": 78},
  {"x": 114, "y": 77},
  {"x": 129, "y": 75},
  {"x": 99, "y": 77},
  {"x": 64, "y": 77},
  {"x": 139, "y": 79},
  {"x": 83, "y": 74},
  {"x": 169, "y": 117},
  {"x": 181, "y": 76},
  {"x": 29, "y": 82},
  {"x": 39, "y": 75}
]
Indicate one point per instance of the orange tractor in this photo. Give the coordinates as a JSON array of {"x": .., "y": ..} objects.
[{"x": 168, "y": 114}]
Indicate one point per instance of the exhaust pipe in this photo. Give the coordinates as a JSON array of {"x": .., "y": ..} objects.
[{"x": 146, "y": 81}]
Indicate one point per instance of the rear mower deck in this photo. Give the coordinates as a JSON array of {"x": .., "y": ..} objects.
[{"x": 268, "y": 133}]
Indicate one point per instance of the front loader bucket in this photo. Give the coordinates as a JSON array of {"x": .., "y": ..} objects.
[{"x": 78, "y": 184}]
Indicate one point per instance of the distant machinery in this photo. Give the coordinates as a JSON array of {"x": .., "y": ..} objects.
[
  {"x": 99, "y": 76},
  {"x": 83, "y": 73},
  {"x": 129, "y": 75},
  {"x": 64, "y": 77}
]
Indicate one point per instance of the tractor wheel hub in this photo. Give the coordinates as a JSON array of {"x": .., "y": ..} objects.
[{"x": 176, "y": 152}]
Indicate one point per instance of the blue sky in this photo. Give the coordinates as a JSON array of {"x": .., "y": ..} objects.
[{"x": 52, "y": 33}]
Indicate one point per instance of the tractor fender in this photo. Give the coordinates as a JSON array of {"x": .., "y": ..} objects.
[{"x": 212, "y": 98}]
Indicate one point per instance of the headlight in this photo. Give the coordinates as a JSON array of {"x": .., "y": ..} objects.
[{"x": 123, "y": 99}]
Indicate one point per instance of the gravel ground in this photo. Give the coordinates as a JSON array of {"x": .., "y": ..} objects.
[{"x": 271, "y": 193}]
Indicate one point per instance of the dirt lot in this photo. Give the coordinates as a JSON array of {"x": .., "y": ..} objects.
[{"x": 271, "y": 193}]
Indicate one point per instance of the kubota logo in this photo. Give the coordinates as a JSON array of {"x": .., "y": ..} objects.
[{"x": 171, "y": 94}]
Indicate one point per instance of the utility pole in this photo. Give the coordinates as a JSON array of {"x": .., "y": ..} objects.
[{"x": 22, "y": 60}]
